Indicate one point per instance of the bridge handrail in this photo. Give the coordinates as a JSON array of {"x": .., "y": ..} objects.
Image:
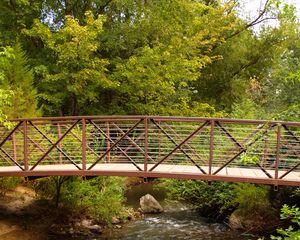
[{"x": 160, "y": 118}]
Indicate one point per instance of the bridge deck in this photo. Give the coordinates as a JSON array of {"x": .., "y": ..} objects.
[{"x": 165, "y": 170}]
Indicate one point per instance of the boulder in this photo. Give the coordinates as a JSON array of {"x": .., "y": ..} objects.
[
  {"x": 95, "y": 229},
  {"x": 150, "y": 205}
]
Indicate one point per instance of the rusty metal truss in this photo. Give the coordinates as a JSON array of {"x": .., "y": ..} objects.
[{"x": 255, "y": 151}]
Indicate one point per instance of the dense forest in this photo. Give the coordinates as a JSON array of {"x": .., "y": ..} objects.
[
  {"x": 147, "y": 57},
  {"x": 166, "y": 57}
]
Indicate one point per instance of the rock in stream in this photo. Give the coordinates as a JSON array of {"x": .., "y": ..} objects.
[{"x": 150, "y": 205}]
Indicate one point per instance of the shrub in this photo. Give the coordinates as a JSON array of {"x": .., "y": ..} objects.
[
  {"x": 290, "y": 233},
  {"x": 8, "y": 183},
  {"x": 100, "y": 197},
  {"x": 212, "y": 200}
]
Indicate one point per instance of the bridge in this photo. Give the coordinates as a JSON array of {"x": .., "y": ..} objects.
[{"x": 213, "y": 149}]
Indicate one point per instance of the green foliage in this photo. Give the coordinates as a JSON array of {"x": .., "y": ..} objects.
[
  {"x": 8, "y": 183},
  {"x": 219, "y": 199},
  {"x": 101, "y": 197},
  {"x": 249, "y": 158},
  {"x": 5, "y": 102},
  {"x": 252, "y": 200},
  {"x": 214, "y": 200},
  {"x": 292, "y": 213},
  {"x": 17, "y": 78},
  {"x": 77, "y": 73},
  {"x": 291, "y": 113}
]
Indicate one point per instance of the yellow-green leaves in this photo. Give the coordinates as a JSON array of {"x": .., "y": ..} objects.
[{"x": 78, "y": 71}]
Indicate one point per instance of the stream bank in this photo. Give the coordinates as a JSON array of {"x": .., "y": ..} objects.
[{"x": 24, "y": 216}]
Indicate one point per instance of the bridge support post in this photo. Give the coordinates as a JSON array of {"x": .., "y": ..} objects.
[
  {"x": 107, "y": 142},
  {"x": 83, "y": 144},
  {"x": 211, "y": 148},
  {"x": 59, "y": 144},
  {"x": 146, "y": 144},
  {"x": 278, "y": 145},
  {"x": 25, "y": 129},
  {"x": 14, "y": 145}
]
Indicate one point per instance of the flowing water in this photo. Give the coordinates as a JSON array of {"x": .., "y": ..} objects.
[{"x": 177, "y": 222}]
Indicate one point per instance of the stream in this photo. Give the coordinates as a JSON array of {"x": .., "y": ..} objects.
[{"x": 176, "y": 222}]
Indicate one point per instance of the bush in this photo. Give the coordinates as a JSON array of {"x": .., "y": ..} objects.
[
  {"x": 212, "y": 200},
  {"x": 290, "y": 233},
  {"x": 8, "y": 183},
  {"x": 252, "y": 199},
  {"x": 100, "y": 197}
]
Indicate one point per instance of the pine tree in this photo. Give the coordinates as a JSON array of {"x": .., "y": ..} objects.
[{"x": 17, "y": 77}]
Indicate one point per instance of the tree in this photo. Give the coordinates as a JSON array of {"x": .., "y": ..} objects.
[
  {"x": 75, "y": 75},
  {"x": 17, "y": 77}
]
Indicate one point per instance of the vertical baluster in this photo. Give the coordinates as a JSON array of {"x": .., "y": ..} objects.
[
  {"x": 25, "y": 145},
  {"x": 211, "y": 146},
  {"x": 83, "y": 143},
  {"x": 59, "y": 144},
  {"x": 107, "y": 142},
  {"x": 159, "y": 143},
  {"x": 14, "y": 146},
  {"x": 278, "y": 144},
  {"x": 146, "y": 144},
  {"x": 265, "y": 151}
]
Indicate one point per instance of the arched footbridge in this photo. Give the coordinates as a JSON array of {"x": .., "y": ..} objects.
[{"x": 254, "y": 151}]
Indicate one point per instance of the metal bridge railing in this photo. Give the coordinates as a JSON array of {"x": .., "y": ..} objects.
[{"x": 204, "y": 146}]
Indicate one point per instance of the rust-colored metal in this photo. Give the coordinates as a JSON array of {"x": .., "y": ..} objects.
[
  {"x": 133, "y": 143},
  {"x": 278, "y": 144},
  {"x": 46, "y": 153},
  {"x": 25, "y": 130},
  {"x": 35, "y": 144},
  {"x": 11, "y": 132},
  {"x": 229, "y": 161},
  {"x": 148, "y": 142},
  {"x": 264, "y": 170},
  {"x": 115, "y": 145},
  {"x": 229, "y": 135},
  {"x": 211, "y": 146},
  {"x": 14, "y": 145},
  {"x": 59, "y": 144},
  {"x": 83, "y": 143},
  {"x": 178, "y": 146},
  {"x": 12, "y": 159},
  {"x": 158, "y": 141},
  {"x": 178, "y": 138},
  {"x": 107, "y": 142},
  {"x": 55, "y": 145}
]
